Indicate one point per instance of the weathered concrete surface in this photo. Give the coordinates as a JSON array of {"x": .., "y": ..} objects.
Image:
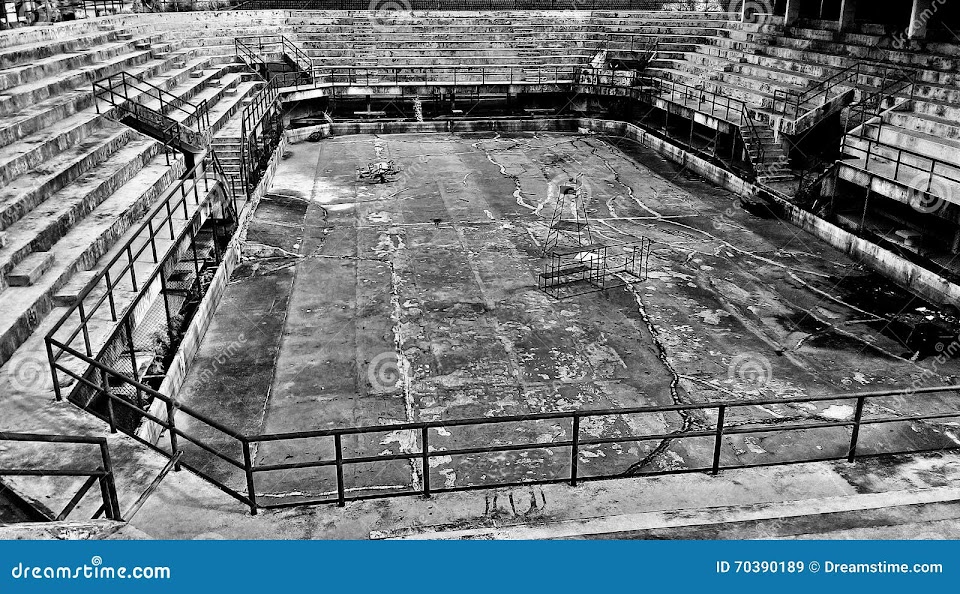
[
  {"x": 417, "y": 300},
  {"x": 187, "y": 507}
]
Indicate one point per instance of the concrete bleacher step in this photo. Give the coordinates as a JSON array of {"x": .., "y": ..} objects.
[
  {"x": 30, "y": 269},
  {"x": 930, "y": 145},
  {"x": 69, "y": 293},
  {"x": 52, "y": 140},
  {"x": 49, "y": 222},
  {"x": 23, "y": 96},
  {"x": 926, "y": 124},
  {"x": 38, "y": 68},
  {"x": 22, "y": 308},
  {"x": 27, "y": 191},
  {"x": 14, "y": 55}
]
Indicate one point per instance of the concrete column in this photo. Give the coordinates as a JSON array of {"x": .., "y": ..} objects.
[
  {"x": 848, "y": 9},
  {"x": 921, "y": 14},
  {"x": 792, "y": 12}
]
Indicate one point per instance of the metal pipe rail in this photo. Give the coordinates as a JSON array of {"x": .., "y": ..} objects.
[
  {"x": 134, "y": 88},
  {"x": 120, "y": 273},
  {"x": 253, "y": 47},
  {"x": 577, "y": 440},
  {"x": 729, "y": 109},
  {"x": 260, "y": 132},
  {"x": 457, "y": 5},
  {"x": 914, "y": 164},
  {"x": 791, "y": 100},
  {"x": 347, "y": 76},
  {"x": 103, "y": 475}
]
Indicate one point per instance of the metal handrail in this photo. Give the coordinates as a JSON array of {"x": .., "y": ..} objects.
[
  {"x": 107, "y": 87},
  {"x": 795, "y": 99},
  {"x": 729, "y": 105},
  {"x": 103, "y": 475},
  {"x": 716, "y": 409},
  {"x": 145, "y": 237},
  {"x": 938, "y": 168}
]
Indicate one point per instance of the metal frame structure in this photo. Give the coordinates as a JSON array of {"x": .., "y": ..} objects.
[
  {"x": 569, "y": 272},
  {"x": 102, "y": 475},
  {"x": 125, "y": 92},
  {"x": 108, "y": 294}
]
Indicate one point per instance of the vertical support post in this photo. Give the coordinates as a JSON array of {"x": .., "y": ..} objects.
[
  {"x": 110, "y": 503},
  {"x": 172, "y": 428},
  {"x": 105, "y": 386},
  {"x": 575, "y": 449},
  {"x": 53, "y": 370},
  {"x": 718, "y": 441},
  {"x": 86, "y": 331},
  {"x": 425, "y": 457},
  {"x": 338, "y": 446},
  {"x": 857, "y": 417},
  {"x": 248, "y": 469}
]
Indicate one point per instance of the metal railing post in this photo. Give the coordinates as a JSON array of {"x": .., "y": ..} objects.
[
  {"x": 718, "y": 441},
  {"x": 248, "y": 470},
  {"x": 172, "y": 428},
  {"x": 53, "y": 371},
  {"x": 338, "y": 446},
  {"x": 109, "y": 486},
  {"x": 855, "y": 435},
  {"x": 105, "y": 386},
  {"x": 575, "y": 449},
  {"x": 425, "y": 457}
]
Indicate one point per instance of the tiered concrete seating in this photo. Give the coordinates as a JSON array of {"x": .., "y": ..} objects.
[
  {"x": 72, "y": 181},
  {"x": 498, "y": 41}
]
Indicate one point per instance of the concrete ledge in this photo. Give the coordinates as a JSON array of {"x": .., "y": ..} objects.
[{"x": 637, "y": 525}]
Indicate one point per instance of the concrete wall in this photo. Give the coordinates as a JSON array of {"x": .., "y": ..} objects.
[{"x": 193, "y": 335}]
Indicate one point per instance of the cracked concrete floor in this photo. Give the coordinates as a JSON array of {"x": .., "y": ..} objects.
[{"x": 366, "y": 304}]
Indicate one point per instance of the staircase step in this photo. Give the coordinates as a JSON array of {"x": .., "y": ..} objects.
[
  {"x": 69, "y": 294},
  {"x": 29, "y": 190},
  {"x": 46, "y": 224},
  {"x": 30, "y": 269},
  {"x": 22, "y": 309}
]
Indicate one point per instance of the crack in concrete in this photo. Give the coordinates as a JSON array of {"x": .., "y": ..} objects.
[{"x": 688, "y": 422}]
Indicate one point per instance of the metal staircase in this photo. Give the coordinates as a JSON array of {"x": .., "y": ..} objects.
[
  {"x": 255, "y": 52},
  {"x": 179, "y": 124},
  {"x": 767, "y": 156}
]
